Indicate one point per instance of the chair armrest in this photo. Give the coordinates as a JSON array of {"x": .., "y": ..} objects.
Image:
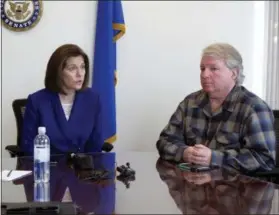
[
  {"x": 272, "y": 176},
  {"x": 273, "y": 172},
  {"x": 14, "y": 150}
]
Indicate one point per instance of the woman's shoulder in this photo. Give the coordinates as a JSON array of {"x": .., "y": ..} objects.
[
  {"x": 90, "y": 93},
  {"x": 41, "y": 93},
  {"x": 37, "y": 98}
]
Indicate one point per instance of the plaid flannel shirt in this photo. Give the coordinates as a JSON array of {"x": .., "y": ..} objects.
[{"x": 241, "y": 134}]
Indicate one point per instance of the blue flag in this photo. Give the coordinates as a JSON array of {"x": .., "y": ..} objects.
[{"x": 110, "y": 27}]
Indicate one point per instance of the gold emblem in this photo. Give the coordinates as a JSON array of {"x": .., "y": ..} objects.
[
  {"x": 21, "y": 15},
  {"x": 18, "y": 11}
]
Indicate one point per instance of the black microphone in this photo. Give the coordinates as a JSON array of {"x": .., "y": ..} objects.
[{"x": 107, "y": 147}]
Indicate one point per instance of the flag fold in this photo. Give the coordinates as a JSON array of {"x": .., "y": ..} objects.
[{"x": 110, "y": 27}]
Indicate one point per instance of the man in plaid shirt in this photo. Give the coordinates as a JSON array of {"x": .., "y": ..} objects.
[{"x": 223, "y": 124}]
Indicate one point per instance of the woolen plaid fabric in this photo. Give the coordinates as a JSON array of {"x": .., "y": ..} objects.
[{"x": 241, "y": 134}]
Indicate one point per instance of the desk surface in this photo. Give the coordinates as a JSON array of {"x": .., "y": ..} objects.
[{"x": 159, "y": 188}]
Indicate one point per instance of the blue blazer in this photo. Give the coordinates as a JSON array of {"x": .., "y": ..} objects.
[{"x": 81, "y": 133}]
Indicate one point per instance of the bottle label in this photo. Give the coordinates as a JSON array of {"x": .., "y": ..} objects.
[{"x": 41, "y": 154}]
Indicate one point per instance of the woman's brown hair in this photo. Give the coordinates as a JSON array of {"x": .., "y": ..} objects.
[{"x": 57, "y": 63}]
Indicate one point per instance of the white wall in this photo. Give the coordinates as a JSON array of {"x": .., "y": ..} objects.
[{"x": 158, "y": 58}]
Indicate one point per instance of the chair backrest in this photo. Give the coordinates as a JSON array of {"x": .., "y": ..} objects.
[
  {"x": 276, "y": 126},
  {"x": 19, "y": 109}
]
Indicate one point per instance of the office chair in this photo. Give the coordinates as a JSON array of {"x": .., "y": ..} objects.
[
  {"x": 276, "y": 127},
  {"x": 19, "y": 109}
]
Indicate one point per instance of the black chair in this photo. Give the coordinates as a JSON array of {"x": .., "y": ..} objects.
[
  {"x": 276, "y": 127},
  {"x": 19, "y": 109}
]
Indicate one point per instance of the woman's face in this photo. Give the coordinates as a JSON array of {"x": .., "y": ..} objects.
[{"x": 73, "y": 74}]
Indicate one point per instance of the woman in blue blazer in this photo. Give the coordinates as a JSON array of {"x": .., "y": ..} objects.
[{"x": 69, "y": 110}]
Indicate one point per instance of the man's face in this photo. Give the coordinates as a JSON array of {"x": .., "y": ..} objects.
[{"x": 215, "y": 76}]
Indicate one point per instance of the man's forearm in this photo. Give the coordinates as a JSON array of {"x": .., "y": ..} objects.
[{"x": 245, "y": 159}]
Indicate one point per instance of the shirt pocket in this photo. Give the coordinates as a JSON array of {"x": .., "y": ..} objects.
[{"x": 228, "y": 139}]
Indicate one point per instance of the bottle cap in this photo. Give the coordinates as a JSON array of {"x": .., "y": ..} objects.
[{"x": 42, "y": 130}]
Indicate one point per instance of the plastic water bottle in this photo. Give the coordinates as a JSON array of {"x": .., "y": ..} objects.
[
  {"x": 41, "y": 156},
  {"x": 41, "y": 192}
]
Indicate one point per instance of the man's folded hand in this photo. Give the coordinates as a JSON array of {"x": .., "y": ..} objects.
[{"x": 198, "y": 154}]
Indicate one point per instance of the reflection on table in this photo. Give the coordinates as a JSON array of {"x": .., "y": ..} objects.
[
  {"x": 216, "y": 192},
  {"x": 66, "y": 184}
]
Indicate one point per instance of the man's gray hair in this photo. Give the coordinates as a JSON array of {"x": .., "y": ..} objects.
[{"x": 230, "y": 55}]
